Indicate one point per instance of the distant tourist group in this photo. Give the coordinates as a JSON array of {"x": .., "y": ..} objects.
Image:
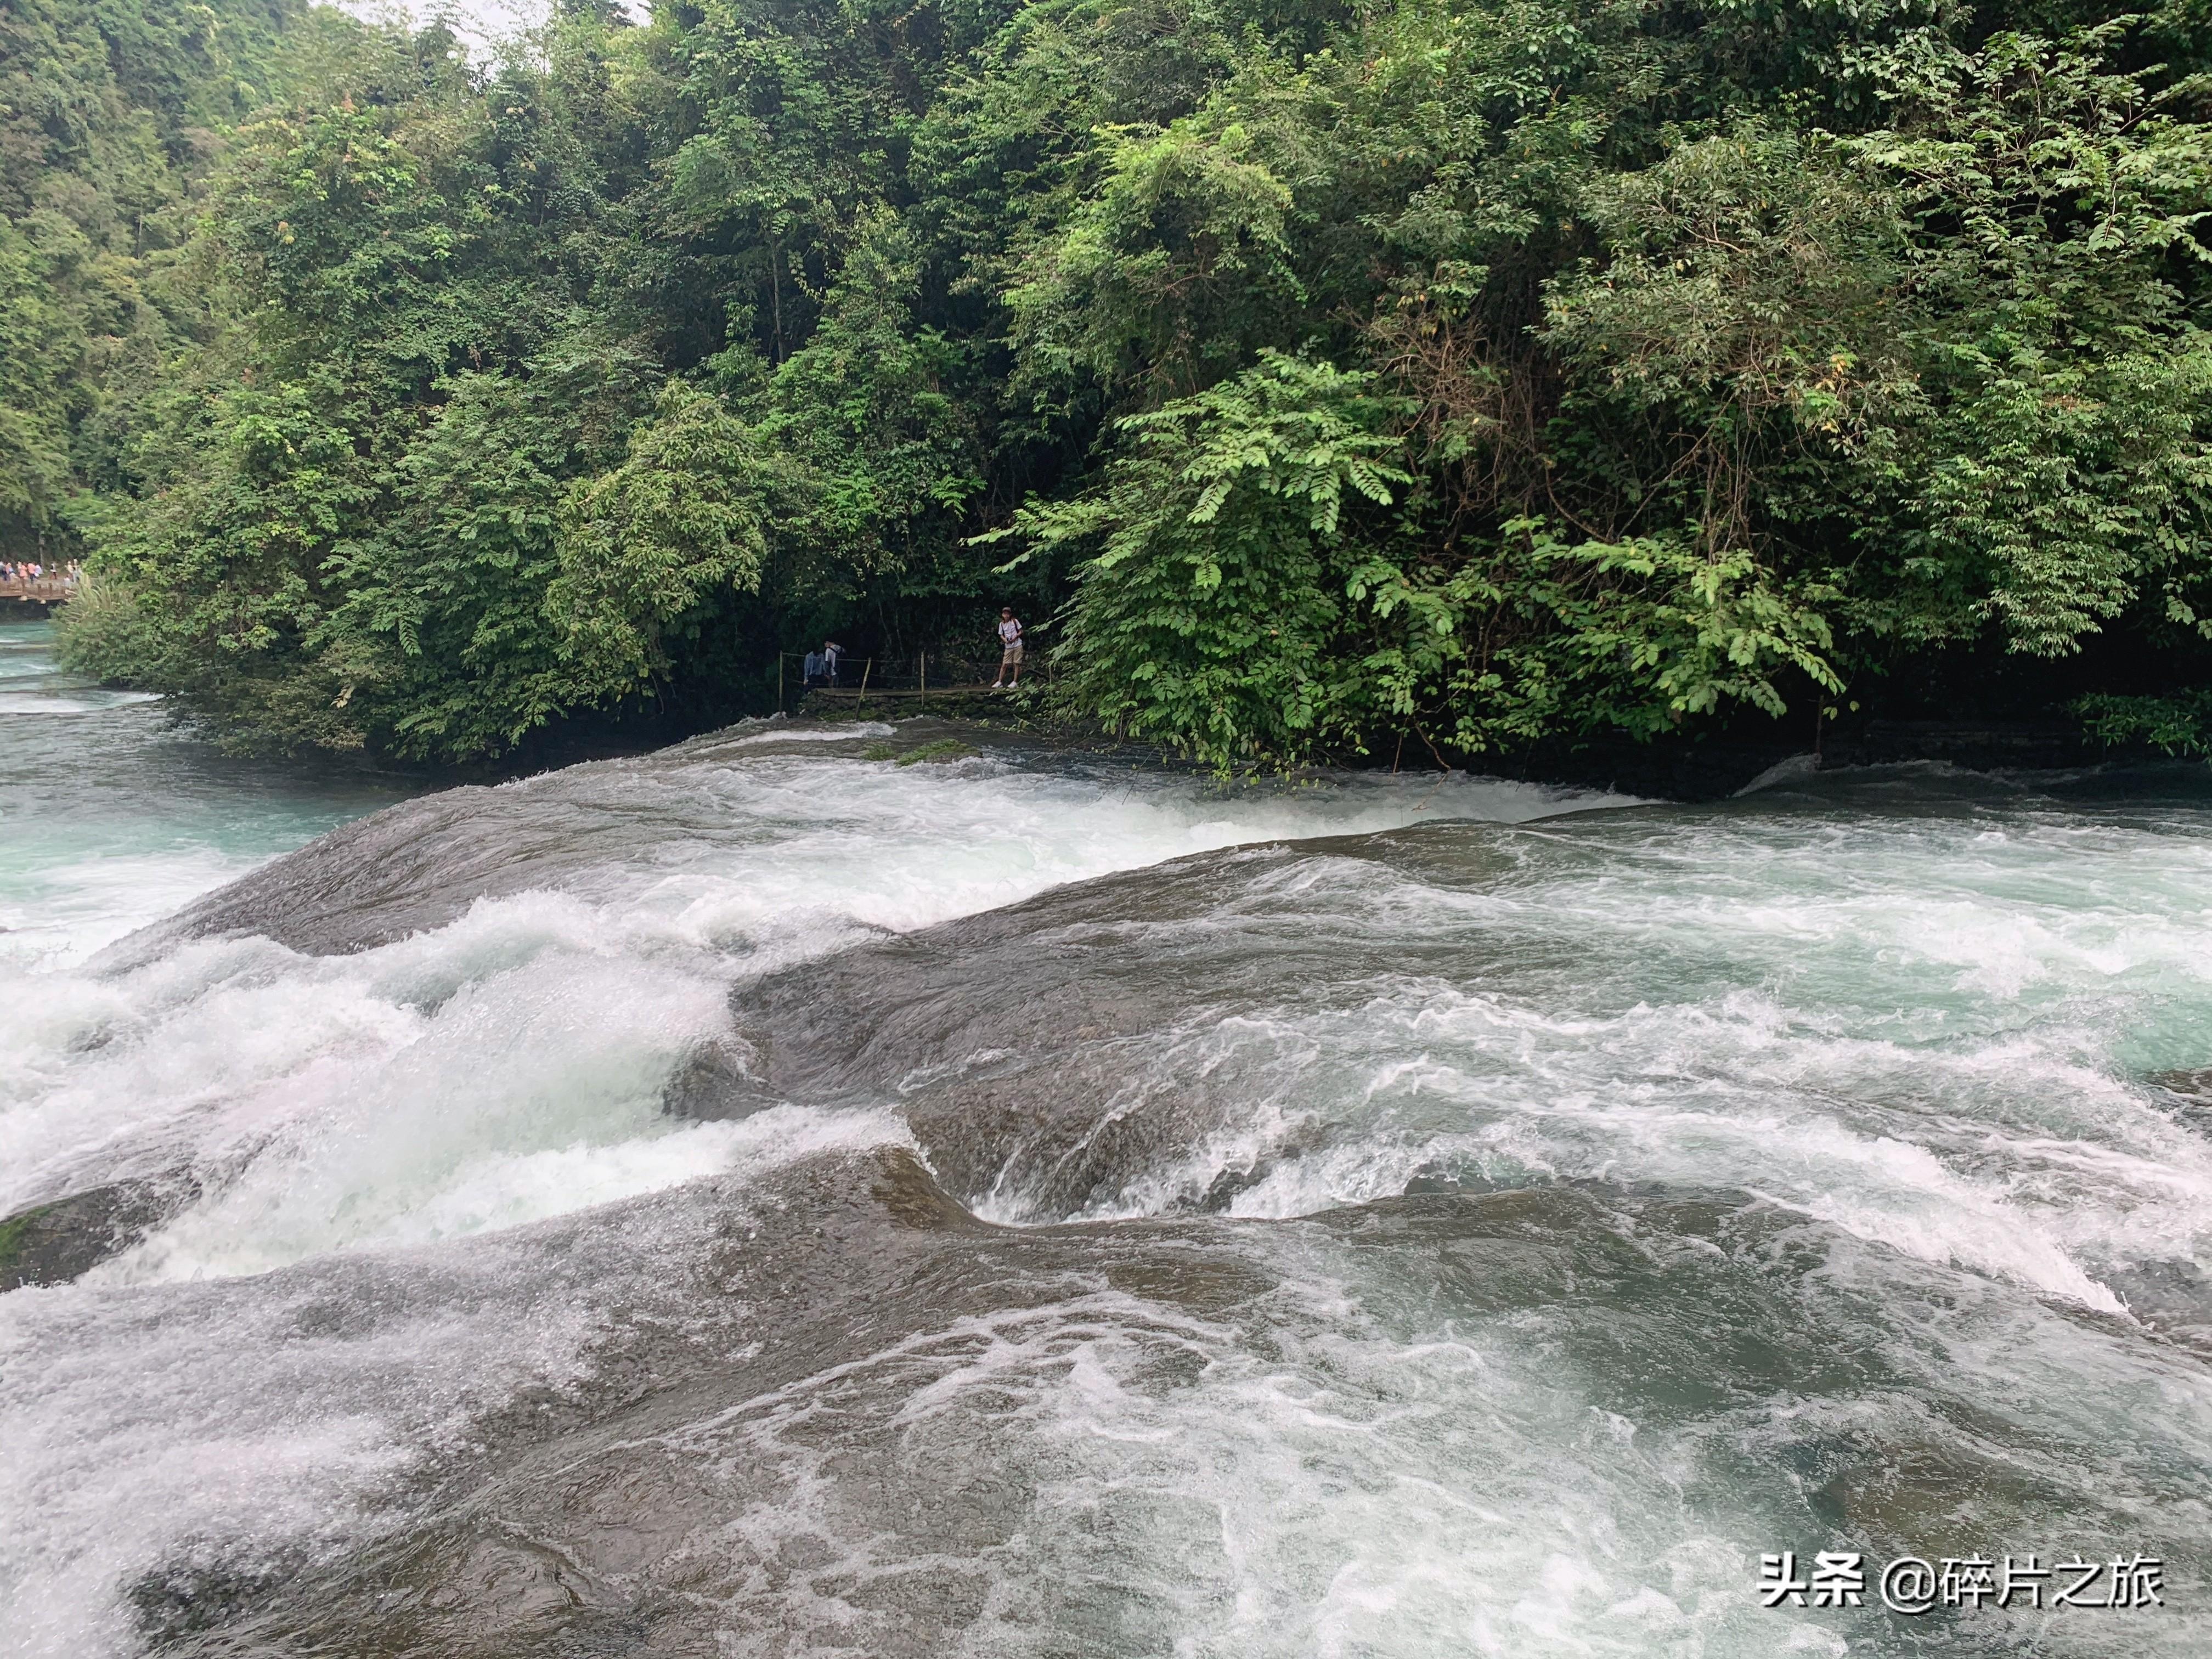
[{"x": 21, "y": 573}]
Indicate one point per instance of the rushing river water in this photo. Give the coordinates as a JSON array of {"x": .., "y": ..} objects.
[
  {"x": 108, "y": 821},
  {"x": 764, "y": 1199}
]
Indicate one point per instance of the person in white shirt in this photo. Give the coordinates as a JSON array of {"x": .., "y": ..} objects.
[{"x": 1010, "y": 650}]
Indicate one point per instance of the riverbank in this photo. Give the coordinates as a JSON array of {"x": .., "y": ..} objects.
[
  {"x": 1701, "y": 767},
  {"x": 1708, "y": 763}
]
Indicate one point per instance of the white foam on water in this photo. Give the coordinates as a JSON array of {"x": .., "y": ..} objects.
[
  {"x": 73, "y": 908},
  {"x": 247, "y": 1424},
  {"x": 1496, "y": 1091},
  {"x": 1931, "y": 1059},
  {"x": 560, "y": 1053},
  {"x": 497, "y": 1070},
  {"x": 836, "y": 845},
  {"x": 353, "y": 1088},
  {"x": 1910, "y": 1033},
  {"x": 1337, "y": 1487},
  {"x": 79, "y": 702},
  {"x": 1284, "y": 1480}
]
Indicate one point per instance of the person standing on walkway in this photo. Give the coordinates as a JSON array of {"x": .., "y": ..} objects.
[{"x": 1010, "y": 650}]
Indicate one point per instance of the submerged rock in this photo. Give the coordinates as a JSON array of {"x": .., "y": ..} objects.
[
  {"x": 942, "y": 752},
  {"x": 2192, "y": 1085},
  {"x": 1052, "y": 1055},
  {"x": 51, "y": 1243},
  {"x": 714, "y": 1082},
  {"x": 754, "y": 1467},
  {"x": 881, "y": 1425},
  {"x": 2189, "y": 1093}
]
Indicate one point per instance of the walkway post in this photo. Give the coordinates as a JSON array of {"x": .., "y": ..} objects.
[
  {"x": 778, "y": 682},
  {"x": 925, "y": 679}
]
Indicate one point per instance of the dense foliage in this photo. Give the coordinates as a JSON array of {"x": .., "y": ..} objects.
[{"x": 1479, "y": 374}]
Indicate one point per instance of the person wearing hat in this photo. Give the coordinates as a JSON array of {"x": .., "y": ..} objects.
[{"x": 1010, "y": 650}]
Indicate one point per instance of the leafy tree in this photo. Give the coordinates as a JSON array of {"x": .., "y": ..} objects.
[
  {"x": 106, "y": 119},
  {"x": 39, "y": 353},
  {"x": 643, "y": 547},
  {"x": 1213, "y": 615},
  {"x": 1475, "y": 378},
  {"x": 2056, "y": 301},
  {"x": 450, "y": 597},
  {"x": 875, "y": 445}
]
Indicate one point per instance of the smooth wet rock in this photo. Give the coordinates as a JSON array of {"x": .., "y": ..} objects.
[
  {"x": 857, "y": 1436},
  {"x": 761, "y": 1466},
  {"x": 53, "y": 1243},
  {"x": 714, "y": 1082},
  {"x": 2195, "y": 1086},
  {"x": 1050, "y": 1053}
]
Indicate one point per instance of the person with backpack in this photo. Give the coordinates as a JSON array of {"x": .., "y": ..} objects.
[{"x": 1010, "y": 650}]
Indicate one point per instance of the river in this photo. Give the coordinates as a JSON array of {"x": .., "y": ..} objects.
[{"x": 766, "y": 1198}]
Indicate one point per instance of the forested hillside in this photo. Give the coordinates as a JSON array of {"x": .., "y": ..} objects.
[
  {"x": 1465, "y": 374},
  {"x": 107, "y": 116}
]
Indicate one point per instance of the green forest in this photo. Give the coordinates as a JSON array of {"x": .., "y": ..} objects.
[{"x": 1319, "y": 379}]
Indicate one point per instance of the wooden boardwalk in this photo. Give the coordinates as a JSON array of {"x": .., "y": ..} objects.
[
  {"x": 849, "y": 702},
  {"x": 874, "y": 694},
  {"x": 48, "y": 590}
]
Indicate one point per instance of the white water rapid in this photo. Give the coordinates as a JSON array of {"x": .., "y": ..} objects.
[{"x": 765, "y": 1199}]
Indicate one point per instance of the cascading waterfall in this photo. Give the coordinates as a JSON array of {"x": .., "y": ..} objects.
[{"x": 764, "y": 1199}]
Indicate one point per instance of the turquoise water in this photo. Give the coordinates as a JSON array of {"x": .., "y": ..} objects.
[{"x": 110, "y": 820}]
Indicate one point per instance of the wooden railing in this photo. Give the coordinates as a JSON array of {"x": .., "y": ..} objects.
[{"x": 48, "y": 590}]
